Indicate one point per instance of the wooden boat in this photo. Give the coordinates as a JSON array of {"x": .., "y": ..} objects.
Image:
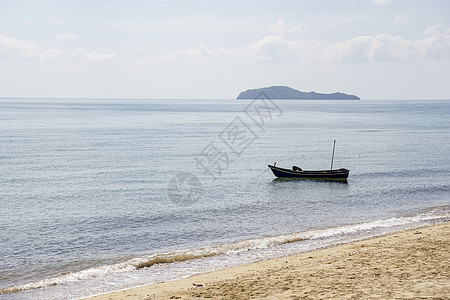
[{"x": 296, "y": 172}]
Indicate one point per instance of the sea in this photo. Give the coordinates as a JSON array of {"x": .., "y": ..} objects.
[{"x": 101, "y": 195}]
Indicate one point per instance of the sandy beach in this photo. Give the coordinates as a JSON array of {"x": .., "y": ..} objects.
[{"x": 412, "y": 264}]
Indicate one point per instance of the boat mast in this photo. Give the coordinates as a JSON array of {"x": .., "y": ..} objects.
[{"x": 332, "y": 157}]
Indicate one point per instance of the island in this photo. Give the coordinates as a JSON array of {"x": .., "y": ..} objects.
[{"x": 285, "y": 92}]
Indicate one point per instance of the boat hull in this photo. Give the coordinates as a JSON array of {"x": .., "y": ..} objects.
[{"x": 339, "y": 174}]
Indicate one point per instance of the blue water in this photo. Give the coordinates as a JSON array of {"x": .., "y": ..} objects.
[{"x": 102, "y": 194}]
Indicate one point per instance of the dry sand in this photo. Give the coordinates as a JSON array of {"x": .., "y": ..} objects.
[{"x": 413, "y": 264}]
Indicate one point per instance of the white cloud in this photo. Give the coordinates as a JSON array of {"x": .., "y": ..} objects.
[
  {"x": 400, "y": 20},
  {"x": 197, "y": 54},
  {"x": 277, "y": 48},
  {"x": 141, "y": 49},
  {"x": 94, "y": 56},
  {"x": 433, "y": 29},
  {"x": 269, "y": 48},
  {"x": 283, "y": 28},
  {"x": 11, "y": 48},
  {"x": 68, "y": 36},
  {"x": 436, "y": 46},
  {"x": 382, "y": 2},
  {"x": 341, "y": 22},
  {"x": 15, "y": 49},
  {"x": 380, "y": 47}
]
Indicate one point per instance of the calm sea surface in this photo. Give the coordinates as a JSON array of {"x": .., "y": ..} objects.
[{"x": 101, "y": 195}]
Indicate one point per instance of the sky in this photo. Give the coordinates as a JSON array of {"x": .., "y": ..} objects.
[{"x": 214, "y": 49}]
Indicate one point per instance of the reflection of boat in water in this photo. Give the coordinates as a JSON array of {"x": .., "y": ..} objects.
[{"x": 296, "y": 172}]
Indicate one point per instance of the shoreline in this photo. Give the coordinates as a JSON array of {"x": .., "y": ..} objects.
[{"x": 411, "y": 263}]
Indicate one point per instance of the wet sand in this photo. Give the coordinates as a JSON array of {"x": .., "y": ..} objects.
[{"x": 412, "y": 264}]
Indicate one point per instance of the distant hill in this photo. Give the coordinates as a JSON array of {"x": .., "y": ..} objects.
[{"x": 285, "y": 92}]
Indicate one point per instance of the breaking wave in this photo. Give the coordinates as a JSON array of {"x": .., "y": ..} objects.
[{"x": 331, "y": 235}]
